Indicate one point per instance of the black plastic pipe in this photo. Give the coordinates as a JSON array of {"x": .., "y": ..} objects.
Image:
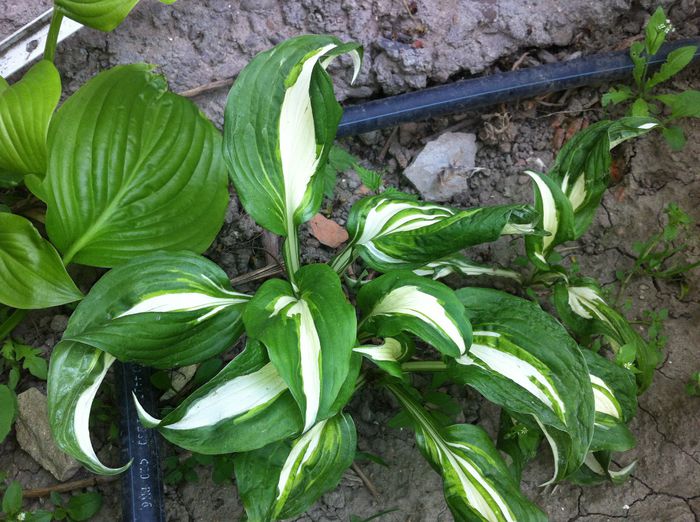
[
  {"x": 465, "y": 95},
  {"x": 142, "y": 484}
]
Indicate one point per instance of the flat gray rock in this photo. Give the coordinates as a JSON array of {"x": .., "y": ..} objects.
[
  {"x": 34, "y": 436},
  {"x": 440, "y": 170}
]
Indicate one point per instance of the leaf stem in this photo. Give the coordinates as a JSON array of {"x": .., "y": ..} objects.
[
  {"x": 341, "y": 261},
  {"x": 424, "y": 366},
  {"x": 52, "y": 37},
  {"x": 11, "y": 322},
  {"x": 291, "y": 254}
]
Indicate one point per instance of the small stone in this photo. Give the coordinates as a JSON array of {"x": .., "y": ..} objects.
[
  {"x": 34, "y": 436},
  {"x": 327, "y": 231},
  {"x": 59, "y": 323},
  {"x": 440, "y": 170}
]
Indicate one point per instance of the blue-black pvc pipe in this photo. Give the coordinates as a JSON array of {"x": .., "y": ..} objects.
[
  {"x": 465, "y": 95},
  {"x": 142, "y": 484}
]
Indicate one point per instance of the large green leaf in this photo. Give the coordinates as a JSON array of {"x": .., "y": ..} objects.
[
  {"x": 246, "y": 406},
  {"x": 75, "y": 374},
  {"x": 392, "y": 231},
  {"x": 280, "y": 482},
  {"x": 25, "y": 112},
  {"x": 401, "y": 301},
  {"x": 522, "y": 359},
  {"x": 162, "y": 310},
  {"x": 133, "y": 169},
  {"x": 477, "y": 484},
  {"x": 32, "y": 275},
  {"x": 309, "y": 331},
  {"x": 104, "y": 15},
  {"x": 280, "y": 123}
]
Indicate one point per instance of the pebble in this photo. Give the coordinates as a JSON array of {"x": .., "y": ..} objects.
[{"x": 59, "y": 323}]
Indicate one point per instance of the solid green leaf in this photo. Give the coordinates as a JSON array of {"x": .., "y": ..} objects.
[
  {"x": 639, "y": 61},
  {"x": 133, "y": 169},
  {"x": 391, "y": 231},
  {"x": 281, "y": 481},
  {"x": 675, "y": 62},
  {"x": 8, "y": 407},
  {"x": 656, "y": 30},
  {"x": 75, "y": 374},
  {"x": 522, "y": 359},
  {"x": 616, "y": 95},
  {"x": 161, "y": 310},
  {"x": 477, "y": 483},
  {"x": 674, "y": 136},
  {"x": 277, "y": 144},
  {"x": 33, "y": 274},
  {"x": 640, "y": 108},
  {"x": 26, "y": 108},
  {"x": 401, "y": 301},
  {"x": 309, "y": 331},
  {"x": 685, "y": 104},
  {"x": 12, "y": 499},
  {"x": 104, "y": 15},
  {"x": 244, "y": 407},
  {"x": 84, "y": 506}
]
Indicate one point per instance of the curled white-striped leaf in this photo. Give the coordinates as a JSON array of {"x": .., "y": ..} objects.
[
  {"x": 522, "y": 359},
  {"x": 388, "y": 354},
  {"x": 75, "y": 374},
  {"x": 161, "y": 310},
  {"x": 309, "y": 331},
  {"x": 477, "y": 483},
  {"x": 280, "y": 123},
  {"x": 391, "y": 231},
  {"x": 244, "y": 407},
  {"x": 401, "y": 301},
  {"x": 281, "y": 481},
  {"x": 459, "y": 264}
]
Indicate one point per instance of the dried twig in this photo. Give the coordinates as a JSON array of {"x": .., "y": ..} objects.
[
  {"x": 260, "y": 273},
  {"x": 366, "y": 481},
  {"x": 64, "y": 487},
  {"x": 200, "y": 89}
]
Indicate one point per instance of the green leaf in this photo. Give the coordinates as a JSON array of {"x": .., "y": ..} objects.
[
  {"x": 12, "y": 499},
  {"x": 389, "y": 354},
  {"x": 33, "y": 274},
  {"x": 458, "y": 264},
  {"x": 683, "y": 105},
  {"x": 401, "y": 301},
  {"x": 309, "y": 332},
  {"x": 391, "y": 231},
  {"x": 477, "y": 483},
  {"x": 244, "y": 407},
  {"x": 276, "y": 145},
  {"x": 161, "y": 310},
  {"x": 656, "y": 30},
  {"x": 640, "y": 63},
  {"x": 280, "y": 482},
  {"x": 340, "y": 160},
  {"x": 8, "y": 406},
  {"x": 675, "y": 62},
  {"x": 84, "y": 505},
  {"x": 40, "y": 516},
  {"x": 674, "y": 136},
  {"x": 616, "y": 95},
  {"x": 522, "y": 359},
  {"x": 75, "y": 374},
  {"x": 640, "y": 108},
  {"x": 104, "y": 15},
  {"x": 519, "y": 440},
  {"x": 133, "y": 169},
  {"x": 25, "y": 112}
]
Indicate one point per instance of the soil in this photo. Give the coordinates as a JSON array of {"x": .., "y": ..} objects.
[{"x": 410, "y": 45}]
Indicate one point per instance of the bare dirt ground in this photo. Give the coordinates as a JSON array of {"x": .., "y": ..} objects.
[{"x": 410, "y": 45}]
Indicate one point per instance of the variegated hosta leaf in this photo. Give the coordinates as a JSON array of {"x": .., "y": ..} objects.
[
  {"x": 104, "y": 15},
  {"x": 477, "y": 483},
  {"x": 556, "y": 218},
  {"x": 401, "y": 301},
  {"x": 584, "y": 302},
  {"x": 280, "y": 123},
  {"x": 280, "y": 482},
  {"x": 598, "y": 468},
  {"x": 26, "y": 108},
  {"x": 309, "y": 331},
  {"x": 582, "y": 167},
  {"x": 459, "y": 264},
  {"x": 522, "y": 359},
  {"x": 246, "y": 406},
  {"x": 389, "y": 354},
  {"x": 392, "y": 231},
  {"x": 161, "y": 310},
  {"x": 75, "y": 374}
]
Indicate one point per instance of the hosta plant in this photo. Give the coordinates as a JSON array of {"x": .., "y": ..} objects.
[{"x": 134, "y": 179}]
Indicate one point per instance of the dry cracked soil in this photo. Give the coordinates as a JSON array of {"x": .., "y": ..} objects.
[{"x": 410, "y": 45}]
